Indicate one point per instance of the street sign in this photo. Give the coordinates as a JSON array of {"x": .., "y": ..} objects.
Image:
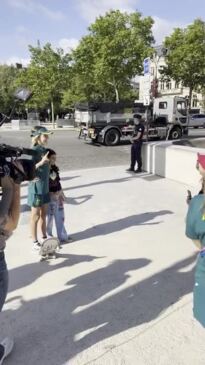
[
  {"x": 146, "y": 65},
  {"x": 146, "y": 100}
]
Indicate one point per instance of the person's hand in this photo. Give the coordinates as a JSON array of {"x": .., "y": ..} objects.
[
  {"x": 45, "y": 159},
  {"x": 62, "y": 196}
]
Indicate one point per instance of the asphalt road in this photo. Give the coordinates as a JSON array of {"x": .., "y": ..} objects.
[
  {"x": 75, "y": 154},
  {"x": 72, "y": 153}
]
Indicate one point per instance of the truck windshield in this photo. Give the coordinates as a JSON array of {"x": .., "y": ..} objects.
[{"x": 181, "y": 107}]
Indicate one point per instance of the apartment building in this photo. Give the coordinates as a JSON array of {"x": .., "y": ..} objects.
[{"x": 167, "y": 88}]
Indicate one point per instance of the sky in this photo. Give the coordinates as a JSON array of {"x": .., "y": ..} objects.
[{"x": 64, "y": 22}]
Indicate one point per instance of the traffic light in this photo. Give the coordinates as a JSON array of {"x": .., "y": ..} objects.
[{"x": 154, "y": 88}]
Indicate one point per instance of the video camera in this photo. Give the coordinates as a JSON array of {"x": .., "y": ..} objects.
[{"x": 16, "y": 162}]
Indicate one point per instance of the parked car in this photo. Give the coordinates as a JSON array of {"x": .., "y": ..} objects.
[{"x": 197, "y": 120}]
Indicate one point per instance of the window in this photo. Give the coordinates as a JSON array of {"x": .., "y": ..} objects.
[
  {"x": 181, "y": 107},
  {"x": 194, "y": 102},
  {"x": 163, "y": 105},
  {"x": 177, "y": 84},
  {"x": 162, "y": 85},
  {"x": 169, "y": 85}
]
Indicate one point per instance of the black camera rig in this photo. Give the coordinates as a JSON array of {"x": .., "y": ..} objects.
[{"x": 24, "y": 169}]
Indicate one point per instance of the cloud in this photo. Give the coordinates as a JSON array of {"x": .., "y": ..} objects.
[
  {"x": 68, "y": 44},
  {"x": 32, "y": 6},
  {"x": 163, "y": 27},
  {"x": 14, "y": 59},
  {"x": 90, "y": 9}
]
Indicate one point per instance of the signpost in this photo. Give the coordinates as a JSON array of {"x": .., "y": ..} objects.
[{"x": 146, "y": 97}]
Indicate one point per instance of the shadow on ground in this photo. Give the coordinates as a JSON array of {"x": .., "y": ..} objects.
[
  {"x": 120, "y": 224},
  {"x": 54, "y": 329},
  {"x": 102, "y": 182},
  {"x": 27, "y": 274}
]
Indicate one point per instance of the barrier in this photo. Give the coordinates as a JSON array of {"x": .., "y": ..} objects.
[
  {"x": 60, "y": 123},
  {"x": 172, "y": 161},
  {"x": 23, "y": 124}
]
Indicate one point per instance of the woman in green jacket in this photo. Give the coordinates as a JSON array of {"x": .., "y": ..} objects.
[
  {"x": 38, "y": 191},
  {"x": 195, "y": 230}
]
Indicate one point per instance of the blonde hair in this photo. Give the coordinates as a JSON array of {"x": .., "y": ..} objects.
[{"x": 35, "y": 141}]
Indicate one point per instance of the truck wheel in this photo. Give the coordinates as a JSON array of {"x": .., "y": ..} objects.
[
  {"x": 112, "y": 137},
  {"x": 175, "y": 133}
]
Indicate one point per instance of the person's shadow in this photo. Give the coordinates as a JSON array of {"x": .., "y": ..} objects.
[
  {"x": 25, "y": 275},
  {"x": 94, "y": 308},
  {"x": 120, "y": 224}
]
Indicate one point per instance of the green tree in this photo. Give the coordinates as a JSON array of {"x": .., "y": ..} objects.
[
  {"x": 47, "y": 76},
  {"x": 111, "y": 55},
  {"x": 8, "y": 75},
  {"x": 185, "y": 57}
]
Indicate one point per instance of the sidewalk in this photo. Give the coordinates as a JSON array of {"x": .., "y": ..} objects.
[{"x": 121, "y": 294}]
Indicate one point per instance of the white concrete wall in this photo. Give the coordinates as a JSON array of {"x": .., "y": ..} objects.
[
  {"x": 173, "y": 162},
  {"x": 22, "y": 124}
]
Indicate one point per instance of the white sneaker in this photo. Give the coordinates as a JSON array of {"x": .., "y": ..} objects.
[
  {"x": 36, "y": 246},
  {"x": 6, "y": 347}
]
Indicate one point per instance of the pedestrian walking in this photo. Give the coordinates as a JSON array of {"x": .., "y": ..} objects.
[
  {"x": 136, "y": 147},
  {"x": 56, "y": 205},
  {"x": 38, "y": 190},
  {"x": 195, "y": 230}
]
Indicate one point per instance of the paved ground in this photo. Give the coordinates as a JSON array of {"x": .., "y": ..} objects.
[{"x": 121, "y": 294}]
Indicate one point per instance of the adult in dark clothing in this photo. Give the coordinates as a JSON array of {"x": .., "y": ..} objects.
[{"x": 137, "y": 141}]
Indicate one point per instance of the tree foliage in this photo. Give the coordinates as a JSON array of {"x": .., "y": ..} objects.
[
  {"x": 8, "y": 76},
  {"x": 186, "y": 56},
  {"x": 47, "y": 75},
  {"x": 111, "y": 55}
]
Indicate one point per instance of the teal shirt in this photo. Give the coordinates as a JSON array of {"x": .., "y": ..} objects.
[
  {"x": 195, "y": 229},
  {"x": 195, "y": 221},
  {"x": 41, "y": 185}
]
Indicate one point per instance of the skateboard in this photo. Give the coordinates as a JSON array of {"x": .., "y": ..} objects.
[{"x": 49, "y": 248}]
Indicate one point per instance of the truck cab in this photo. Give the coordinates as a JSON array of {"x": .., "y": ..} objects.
[{"x": 172, "y": 108}]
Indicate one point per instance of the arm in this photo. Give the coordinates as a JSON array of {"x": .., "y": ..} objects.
[
  {"x": 137, "y": 137},
  {"x": 43, "y": 161},
  {"x": 197, "y": 243},
  {"x": 190, "y": 225},
  {"x": 14, "y": 211}
]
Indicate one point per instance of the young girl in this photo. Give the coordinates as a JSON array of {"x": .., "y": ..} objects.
[
  {"x": 56, "y": 205},
  {"x": 38, "y": 191}
]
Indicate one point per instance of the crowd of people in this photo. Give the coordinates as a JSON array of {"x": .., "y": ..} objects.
[{"x": 46, "y": 200}]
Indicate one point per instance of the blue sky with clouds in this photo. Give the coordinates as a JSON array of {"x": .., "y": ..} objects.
[{"x": 63, "y": 22}]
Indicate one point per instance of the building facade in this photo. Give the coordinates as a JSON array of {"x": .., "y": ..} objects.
[{"x": 167, "y": 88}]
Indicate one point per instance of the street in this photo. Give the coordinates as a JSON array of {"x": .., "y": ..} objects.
[{"x": 74, "y": 154}]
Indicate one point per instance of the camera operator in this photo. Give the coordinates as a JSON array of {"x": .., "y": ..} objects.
[{"x": 9, "y": 217}]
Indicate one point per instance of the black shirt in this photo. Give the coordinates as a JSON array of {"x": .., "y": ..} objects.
[
  {"x": 139, "y": 129},
  {"x": 54, "y": 180}
]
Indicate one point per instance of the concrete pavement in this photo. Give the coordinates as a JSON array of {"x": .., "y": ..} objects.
[{"x": 121, "y": 294}]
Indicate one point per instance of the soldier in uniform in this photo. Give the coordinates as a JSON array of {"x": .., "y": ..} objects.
[{"x": 137, "y": 144}]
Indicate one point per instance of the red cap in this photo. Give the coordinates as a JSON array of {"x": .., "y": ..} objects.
[{"x": 201, "y": 160}]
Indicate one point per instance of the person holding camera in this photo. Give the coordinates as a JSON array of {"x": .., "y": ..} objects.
[
  {"x": 38, "y": 191},
  {"x": 9, "y": 217}
]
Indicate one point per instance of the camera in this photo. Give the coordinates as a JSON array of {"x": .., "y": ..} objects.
[{"x": 16, "y": 162}]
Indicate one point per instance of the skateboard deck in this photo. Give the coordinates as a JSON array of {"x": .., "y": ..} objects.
[{"x": 49, "y": 248}]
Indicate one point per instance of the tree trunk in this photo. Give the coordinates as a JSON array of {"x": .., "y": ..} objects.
[
  {"x": 117, "y": 95},
  {"x": 190, "y": 98},
  {"x": 52, "y": 114}
]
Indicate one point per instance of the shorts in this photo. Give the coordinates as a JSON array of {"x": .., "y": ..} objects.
[{"x": 38, "y": 200}]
